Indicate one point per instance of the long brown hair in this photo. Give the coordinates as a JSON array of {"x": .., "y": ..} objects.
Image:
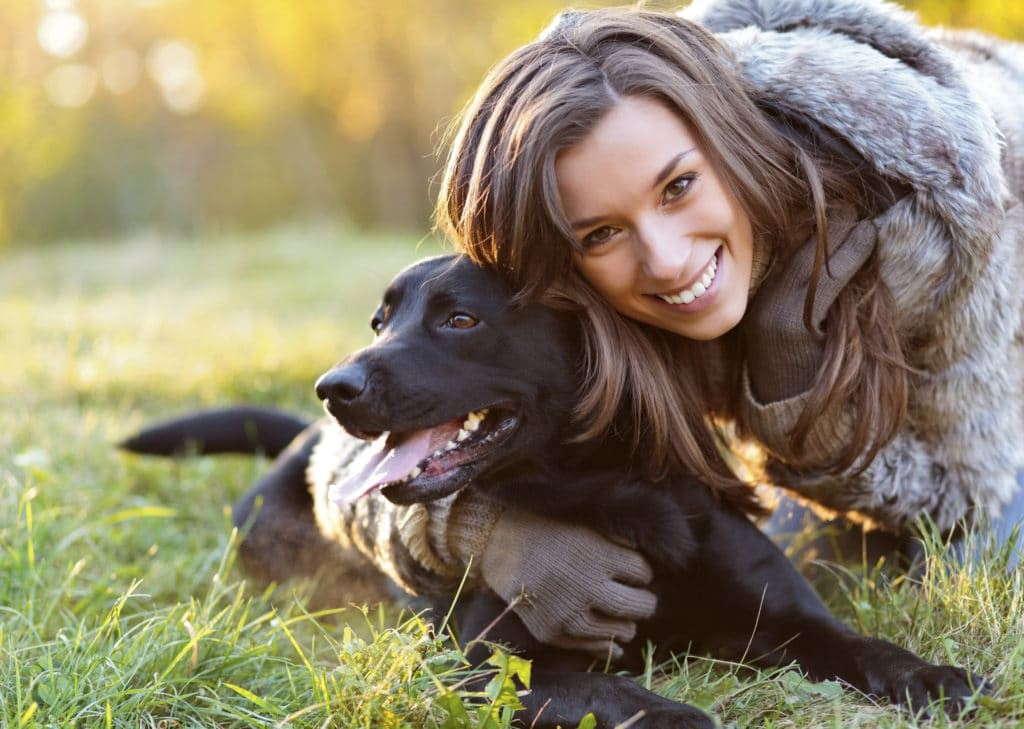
[{"x": 499, "y": 203}]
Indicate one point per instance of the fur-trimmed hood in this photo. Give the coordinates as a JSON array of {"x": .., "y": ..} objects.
[
  {"x": 871, "y": 74},
  {"x": 942, "y": 113}
]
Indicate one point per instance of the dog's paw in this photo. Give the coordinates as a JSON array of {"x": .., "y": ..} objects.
[
  {"x": 665, "y": 535},
  {"x": 926, "y": 687}
]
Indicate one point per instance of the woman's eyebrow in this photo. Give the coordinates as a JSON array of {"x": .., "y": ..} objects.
[
  {"x": 663, "y": 174},
  {"x": 669, "y": 168},
  {"x": 586, "y": 222}
]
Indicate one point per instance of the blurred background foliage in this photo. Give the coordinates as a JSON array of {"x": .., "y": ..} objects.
[{"x": 187, "y": 115}]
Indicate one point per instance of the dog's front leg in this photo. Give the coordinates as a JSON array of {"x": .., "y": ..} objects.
[
  {"x": 561, "y": 693},
  {"x": 754, "y": 603}
]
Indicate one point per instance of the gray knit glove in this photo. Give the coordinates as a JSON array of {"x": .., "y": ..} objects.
[
  {"x": 783, "y": 357},
  {"x": 571, "y": 587}
]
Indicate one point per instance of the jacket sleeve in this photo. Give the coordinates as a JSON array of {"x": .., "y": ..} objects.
[
  {"x": 419, "y": 545},
  {"x": 962, "y": 445}
]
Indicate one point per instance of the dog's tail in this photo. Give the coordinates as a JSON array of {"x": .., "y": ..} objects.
[{"x": 243, "y": 429}]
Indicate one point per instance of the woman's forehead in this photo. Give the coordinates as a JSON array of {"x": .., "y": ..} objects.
[{"x": 637, "y": 144}]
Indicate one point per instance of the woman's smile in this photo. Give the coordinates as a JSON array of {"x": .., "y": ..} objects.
[
  {"x": 698, "y": 294},
  {"x": 661, "y": 238}
]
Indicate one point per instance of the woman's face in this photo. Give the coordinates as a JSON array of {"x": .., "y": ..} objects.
[{"x": 664, "y": 241}]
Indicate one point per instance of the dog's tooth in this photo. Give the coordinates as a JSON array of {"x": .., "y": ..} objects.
[
  {"x": 463, "y": 434},
  {"x": 415, "y": 472},
  {"x": 450, "y": 444},
  {"x": 473, "y": 420}
]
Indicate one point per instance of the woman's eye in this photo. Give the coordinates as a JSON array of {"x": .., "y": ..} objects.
[
  {"x": 459, "y": 320},
  {"x": 677, "y": 188},
  {"x": 598, "y": 236}
]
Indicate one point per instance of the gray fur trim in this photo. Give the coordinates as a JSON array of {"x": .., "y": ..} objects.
[
  {"x": 871, "y": 74},
  {"x": 886, "y": 27}
]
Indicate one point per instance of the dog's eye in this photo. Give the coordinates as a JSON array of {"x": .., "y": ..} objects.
[
  {"x": 458, "y": 320},
  {"x": 376, "y": 324}
]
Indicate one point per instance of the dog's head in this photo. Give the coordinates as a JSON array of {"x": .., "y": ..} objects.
[{"x": 458, "y": 382}]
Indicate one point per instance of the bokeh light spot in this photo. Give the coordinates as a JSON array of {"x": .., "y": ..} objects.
[
  {"x": 71, "y": 85},
  {"x": 174, "y": 66},
  {"x": 62, "y": 33}
]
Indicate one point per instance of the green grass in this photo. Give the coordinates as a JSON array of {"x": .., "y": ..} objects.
[{"x": 119, "y": 602}]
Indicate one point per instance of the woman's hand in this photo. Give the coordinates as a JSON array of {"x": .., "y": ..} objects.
[
  {"x": 783, "y": 357},
  {"x": 571, "y": 587}
]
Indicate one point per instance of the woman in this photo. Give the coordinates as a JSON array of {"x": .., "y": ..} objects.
[{"x": 797, "y": 217}]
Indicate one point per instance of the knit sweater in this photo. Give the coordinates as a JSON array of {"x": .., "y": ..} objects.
[{"x": 943, "y": 114}]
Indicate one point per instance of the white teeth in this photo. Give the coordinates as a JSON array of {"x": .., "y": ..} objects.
[
  {"x": 463, "y": 434},
  {"x": 415, "y": 472},
  {"x": 687, "y": 296}
]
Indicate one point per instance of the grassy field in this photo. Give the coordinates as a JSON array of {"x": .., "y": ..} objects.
[{"x": 119, "y": 602}]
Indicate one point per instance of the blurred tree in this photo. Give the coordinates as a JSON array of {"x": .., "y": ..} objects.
[{"x": 116, "y": 114}]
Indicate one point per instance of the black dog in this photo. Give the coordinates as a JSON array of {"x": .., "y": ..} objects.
[{"x": 452, "y": 351}]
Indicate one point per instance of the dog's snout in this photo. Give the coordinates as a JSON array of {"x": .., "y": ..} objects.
[{"x": 342, "y": 384}]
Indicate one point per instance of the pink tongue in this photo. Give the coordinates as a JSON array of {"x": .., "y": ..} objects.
[{"x": 378, "y": 464}]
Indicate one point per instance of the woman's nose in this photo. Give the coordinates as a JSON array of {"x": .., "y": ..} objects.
[{"x": 664, "y": 251}]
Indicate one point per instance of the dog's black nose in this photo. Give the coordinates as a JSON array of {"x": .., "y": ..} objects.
[{"x": 341, "y": 384}]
